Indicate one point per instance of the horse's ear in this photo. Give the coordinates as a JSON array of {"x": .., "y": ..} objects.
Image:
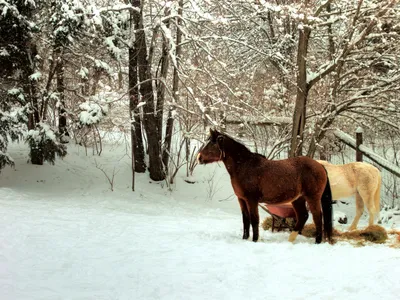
[
  {"x": 213, "y": 134},
  {"x": 220, "y": 141}
]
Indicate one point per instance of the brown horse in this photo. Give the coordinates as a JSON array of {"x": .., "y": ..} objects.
[{"x": 255, "y": 179}]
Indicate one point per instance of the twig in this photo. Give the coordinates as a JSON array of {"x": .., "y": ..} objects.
[{"x": 110, "y": 180}]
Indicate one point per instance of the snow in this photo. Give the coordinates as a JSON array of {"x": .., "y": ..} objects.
[
  {"x": 109, "y": 41},
  {"x": 83, "y": 72},
  {"x": 140, "y": 104},
  {"x": 4, "y": 52},
  {"x": 118, "y": 7},
  {"x": 92, "y": 112},
  {"x": 35, "y": 76},
  {"x": 359, "y": 130},
  {"x": 102, "y": 65},
  {"x": 65, "y": 235},
  {"x": 264, "y": 120},
  {"x": 339, "y": 215},
  {"x": 6, "y": 156},
  {"x": 14, "y": 91},
  {"x": 42, "y": 132}
]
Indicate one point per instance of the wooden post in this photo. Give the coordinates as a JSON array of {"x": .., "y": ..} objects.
[
  {"x": 359, "y": 141},
  {"x": 323, "y": 151},
  {"x": 322, "y": 155},
  {"x": 223, "y": 121}
]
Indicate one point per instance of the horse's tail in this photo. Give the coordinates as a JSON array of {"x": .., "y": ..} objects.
[
  {"x": 326, "y": 203},
  {"x": 377, "y": 196}
]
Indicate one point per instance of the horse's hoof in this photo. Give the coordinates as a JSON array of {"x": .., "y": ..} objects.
[{"x": 293, "y": 236}]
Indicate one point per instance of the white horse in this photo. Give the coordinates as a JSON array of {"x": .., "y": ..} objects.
[{"x": 360, "y": 179}]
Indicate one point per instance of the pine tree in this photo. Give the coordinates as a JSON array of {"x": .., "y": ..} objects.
[
  {"x": 20, "y": 108},
  {"x": 15, "y": 51}
]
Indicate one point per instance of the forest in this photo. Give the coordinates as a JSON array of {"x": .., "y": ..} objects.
[
  {"x": 111, "y": 113},
  {"x": 163, "y": 71}
]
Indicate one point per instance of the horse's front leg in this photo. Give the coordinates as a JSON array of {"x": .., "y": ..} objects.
[
  {"x": 246, "y": 218},
  {"x": 254, "y": 219}
]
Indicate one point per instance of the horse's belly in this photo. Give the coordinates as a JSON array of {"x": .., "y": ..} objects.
[
  {"x": 342, "y": 190},
  {"x": 280, "y": 196}
]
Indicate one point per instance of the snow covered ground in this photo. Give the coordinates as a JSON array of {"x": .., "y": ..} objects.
[{"x": 65, "y": 235}]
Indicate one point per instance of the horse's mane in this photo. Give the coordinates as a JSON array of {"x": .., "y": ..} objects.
[{"x": 240, "y": 147}]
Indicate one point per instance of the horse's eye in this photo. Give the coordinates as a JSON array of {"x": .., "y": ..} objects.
[{"x": 210, "y": 139}]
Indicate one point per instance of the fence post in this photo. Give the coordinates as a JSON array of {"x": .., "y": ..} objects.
[{"x": 359, "y": 141}]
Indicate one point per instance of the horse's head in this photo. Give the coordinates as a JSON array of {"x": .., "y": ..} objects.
[{"x": 212, "y": 151}]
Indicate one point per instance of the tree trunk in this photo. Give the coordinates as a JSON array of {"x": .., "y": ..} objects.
[
  {"x": 136, "y": 122},
  {"x": 161, "y": 92},
  {"x": 30, "y": 89},
  {"x": 96, "y": 79},
  {"x": 151, "y": 118},
  {"x": 175, "y": 91},
  {"x": 62, "y": 118},
  {"x": 36, "y": 153},
  {"x": 299, "y": 116}
]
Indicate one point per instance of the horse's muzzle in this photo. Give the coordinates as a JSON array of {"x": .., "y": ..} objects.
[{"x": 200, "y": 159}]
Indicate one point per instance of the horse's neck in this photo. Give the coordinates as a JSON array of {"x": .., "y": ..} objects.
[
  {"x": 233, "y": 161},
  {"x": 230, "y": 165}
]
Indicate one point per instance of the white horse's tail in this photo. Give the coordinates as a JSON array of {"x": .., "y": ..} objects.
[{"x": 377, "y": 196}]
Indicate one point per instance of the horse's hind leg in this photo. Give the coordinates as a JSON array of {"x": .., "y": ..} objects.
[
  {"x": 314, "y": 205},
  {"x": 246, "y": 218},
  {"x": 301, "y": 211},
  {"x": 369, "y": 202},
  {"x": 359, "y": 211},
  {"x": 254, "y": 219}
]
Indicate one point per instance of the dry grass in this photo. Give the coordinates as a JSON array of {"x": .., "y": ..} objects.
[
  {"x": 396, "y": 242},
  {"x": 394, "y": 231},
  {"x": 266, "y": 224},
  {"x": 309, "y": 231},
  {"x": 375, "y": 234}
]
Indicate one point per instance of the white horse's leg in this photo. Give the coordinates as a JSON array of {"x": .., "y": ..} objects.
[
  {"x": 368, "y": 195},
  {"x": 371, "y": 217},
  {"x": 371, "y": 210},
  {"x": 359, "y": 211}
]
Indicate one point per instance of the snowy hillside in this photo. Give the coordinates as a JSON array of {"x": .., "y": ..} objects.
[{"x": 65, "y": 235}]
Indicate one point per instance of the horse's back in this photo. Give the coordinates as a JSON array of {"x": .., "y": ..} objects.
[
  {"x": 367, "y": 175},
  {"x": 299, "y": 167},
  {"x": 347, "y": 179},
  {"x": 357, "y": 169},
  {"x": 286, "y": 180}
]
